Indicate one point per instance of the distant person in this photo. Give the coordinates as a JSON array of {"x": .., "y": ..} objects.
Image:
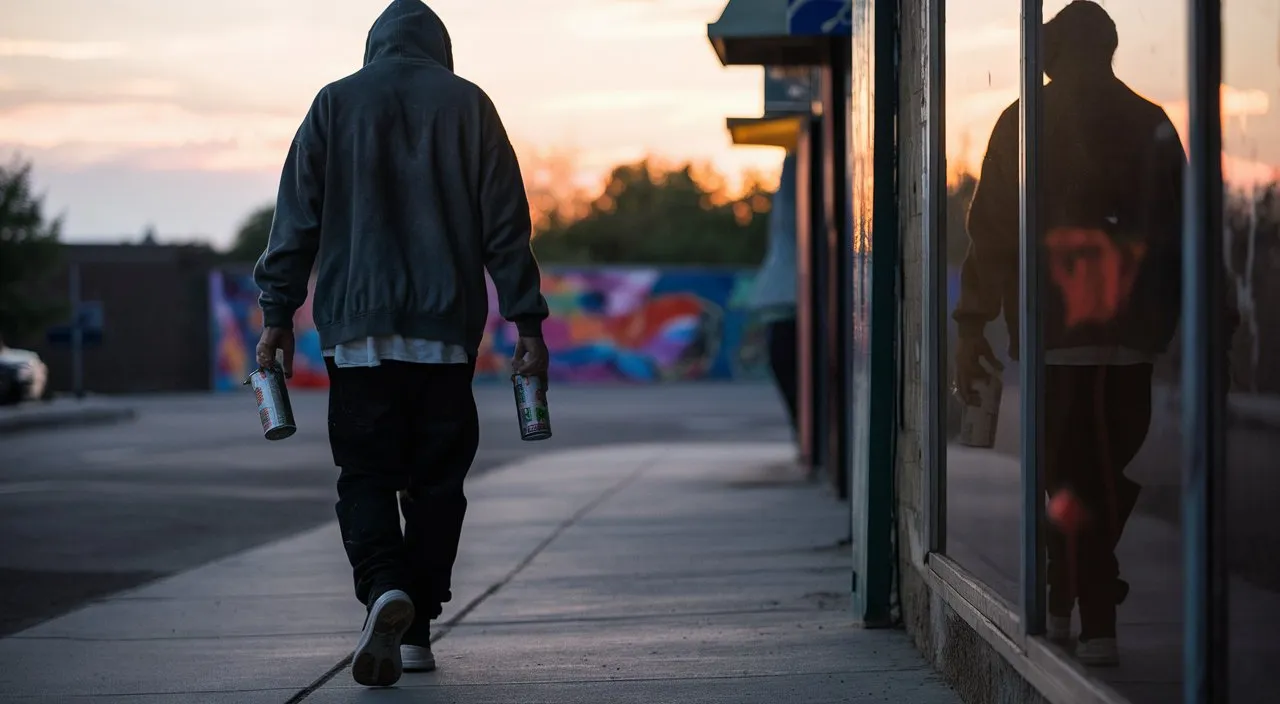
[
  {"x": 774, "y": 297},
  {"x": 402, "y": 181},
  {"x": 1111, "y": 195}
]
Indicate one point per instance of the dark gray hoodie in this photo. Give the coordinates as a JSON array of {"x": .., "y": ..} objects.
[{"x": 402, "y": 181}]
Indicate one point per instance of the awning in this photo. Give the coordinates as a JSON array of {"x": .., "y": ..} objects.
[
  {"x": 781, "y": 131},
  {"x": 755, "y": 32}
]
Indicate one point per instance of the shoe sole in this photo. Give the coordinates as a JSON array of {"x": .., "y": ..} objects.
[{"x": 376, "y": 661}]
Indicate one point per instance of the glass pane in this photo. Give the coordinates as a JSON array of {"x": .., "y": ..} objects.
[
  {"x": 861, "y": 182},
  {"x": 983, "y": 474},
  {"x": 1251, "y": 170},
  {"x": 1111, "y": 191}
]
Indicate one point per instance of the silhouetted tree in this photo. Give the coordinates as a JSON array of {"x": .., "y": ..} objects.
[
  {"x": 29, "y": 252},
  {"x": 651, "y": 215},
  {"x": 251, "y": 238}
]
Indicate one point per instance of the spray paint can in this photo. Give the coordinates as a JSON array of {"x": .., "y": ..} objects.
[
  {"x": 274, "y": 409},
  {"x": 531, "y": 408},
  {"x": 978, "y": 422}
]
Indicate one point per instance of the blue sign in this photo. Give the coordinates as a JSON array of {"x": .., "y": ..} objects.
[
  {"x": 89, "y": 317},
  {"x": 788, "y": 90},
  {"x": 820, "y": 18}
]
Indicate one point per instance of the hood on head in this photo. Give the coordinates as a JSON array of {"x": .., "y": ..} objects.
[{"x": 409, "y": 29}]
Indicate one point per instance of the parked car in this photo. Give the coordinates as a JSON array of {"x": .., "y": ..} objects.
[{"x": 23, "y": 376}]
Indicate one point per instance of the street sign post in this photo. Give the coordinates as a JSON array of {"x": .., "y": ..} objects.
[
  {"x": 788, "y": 89},
  {"x": 84, "y": 328}
]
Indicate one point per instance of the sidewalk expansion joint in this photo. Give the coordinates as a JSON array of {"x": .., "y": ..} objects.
[{"x": 497, "y": 586}]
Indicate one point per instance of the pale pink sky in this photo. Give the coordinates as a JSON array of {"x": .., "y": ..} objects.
[
  {"x": 983, "y": 72},
  {"x": 179, "y": 113}
]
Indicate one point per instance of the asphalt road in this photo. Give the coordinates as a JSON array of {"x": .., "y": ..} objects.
[{"x": 87, "y": 512}]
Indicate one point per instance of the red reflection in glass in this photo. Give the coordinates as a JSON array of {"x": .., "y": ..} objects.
[{"x": 1094, "y": 272}]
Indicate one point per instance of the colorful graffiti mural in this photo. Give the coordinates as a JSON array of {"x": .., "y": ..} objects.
[
  {"x": 237, "y": 324},
  {"x": 638, "y": 325}
]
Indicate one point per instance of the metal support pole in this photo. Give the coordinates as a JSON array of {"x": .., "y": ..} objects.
[
  {"x": 936, "y": 378},
  {"x": 819, "y": 281},
  {"x": 835, "y": 95},
  {"x": 77, "y": 332},
  {"x": 1031, "y": 362},
  {"x": 1203, "y": 379}
]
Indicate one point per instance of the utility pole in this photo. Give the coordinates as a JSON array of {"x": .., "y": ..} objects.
[{"x": 77, "y": 332}]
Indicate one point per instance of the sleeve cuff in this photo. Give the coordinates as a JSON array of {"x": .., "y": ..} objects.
[
  {"x": 529, "y": 328},
  {"x": 277, "y": 318}
]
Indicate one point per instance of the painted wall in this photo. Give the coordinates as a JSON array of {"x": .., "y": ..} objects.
[{"x": 638, "y": 324}]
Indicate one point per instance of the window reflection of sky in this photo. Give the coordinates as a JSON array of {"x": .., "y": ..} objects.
[{"x": 983, "y": 65}]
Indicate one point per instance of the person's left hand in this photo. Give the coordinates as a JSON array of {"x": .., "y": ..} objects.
[{"x": 276, "y": 339}]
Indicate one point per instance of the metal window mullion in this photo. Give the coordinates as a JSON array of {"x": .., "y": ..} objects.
[
  {"x": 934, "y": 345},
  {"x": 1205, "y": 619},
  {"x": 1031, "y": 367}
]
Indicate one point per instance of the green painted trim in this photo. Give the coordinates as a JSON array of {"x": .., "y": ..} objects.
[{"x": 880, "y": 553}]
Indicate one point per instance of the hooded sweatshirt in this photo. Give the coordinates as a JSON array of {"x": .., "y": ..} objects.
[
  {"x": 1112, "y": 178},
  {"x": 401, "y": 189}
]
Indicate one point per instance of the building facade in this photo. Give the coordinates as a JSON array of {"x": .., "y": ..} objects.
[
  {"x": 153, "y": 331},
  {"x": 1039, "y": 357}
]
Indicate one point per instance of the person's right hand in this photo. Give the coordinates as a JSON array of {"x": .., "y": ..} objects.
[
  {"x": 969, "y": 355},
  {"x": 276, "y": 340},
  {"x": 531, "y": 358}
]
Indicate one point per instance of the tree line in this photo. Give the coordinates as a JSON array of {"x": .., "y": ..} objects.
[{"x": 646, "y": 213}]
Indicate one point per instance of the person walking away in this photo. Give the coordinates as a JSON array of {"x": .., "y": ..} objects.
[
  {"x": 774, "y": 296},
  {"x": 401, "y": 188},
  {"x": 1111, "y": 217}
]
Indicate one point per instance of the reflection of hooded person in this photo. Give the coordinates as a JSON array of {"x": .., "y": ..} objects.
[
  {"x": 402, "y": 188},
  {"x": 1110, "y": 207}
]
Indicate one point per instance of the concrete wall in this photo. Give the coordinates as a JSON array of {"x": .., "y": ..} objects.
[{"x": 978, "y": 672}]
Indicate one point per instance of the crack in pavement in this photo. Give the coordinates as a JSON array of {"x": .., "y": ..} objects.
[{"x": 448, "y": 626}]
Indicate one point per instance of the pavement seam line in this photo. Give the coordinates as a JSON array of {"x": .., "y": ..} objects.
[{"x": 494, "y": 588}]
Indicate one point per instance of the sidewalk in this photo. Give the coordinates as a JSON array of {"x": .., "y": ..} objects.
[
  {"x": 651, "y": 573},
  {"x": 62, "y": 413}
]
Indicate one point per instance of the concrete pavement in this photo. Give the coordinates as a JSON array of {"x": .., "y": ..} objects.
[
  {"x": 88, "y": 511},
  {"x": 651, "y": 572}
]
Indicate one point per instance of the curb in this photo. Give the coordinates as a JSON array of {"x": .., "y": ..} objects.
[{"x": 69, "y": 418}]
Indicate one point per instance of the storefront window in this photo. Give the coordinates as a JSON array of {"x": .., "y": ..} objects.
[
  {"x": 1112, "y": 162},
  {"x": 983, "y": 476},
  {"x": 1251, "y": 213}
]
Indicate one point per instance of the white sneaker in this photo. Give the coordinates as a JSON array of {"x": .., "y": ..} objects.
[
  {"x": 1098, "y": 652},
  {"x": 1059, "y": 630},
  {"x": 417, "y": 658},
  {"x": 376, "y": 661}
]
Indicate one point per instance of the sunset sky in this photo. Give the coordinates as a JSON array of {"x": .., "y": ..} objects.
[
  {"x": 983, "y": 73},
  {"x": 179, "y": 113}
]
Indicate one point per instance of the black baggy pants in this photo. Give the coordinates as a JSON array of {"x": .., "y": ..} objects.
[
  {"x": 408, "y": 428},
  {"x": 1096, "y": 420}
]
